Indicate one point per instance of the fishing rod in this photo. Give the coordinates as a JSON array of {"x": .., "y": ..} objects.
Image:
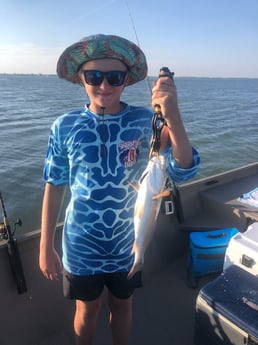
[
  {"x": 12, "y": 249},
  {"x": 158, "y": 121},
  {"x": 137, "y": 40}
]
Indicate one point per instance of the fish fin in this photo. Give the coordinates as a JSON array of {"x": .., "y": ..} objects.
[
  {"x": 134, "y": 186},
  {"x": 161, "y": 195}
]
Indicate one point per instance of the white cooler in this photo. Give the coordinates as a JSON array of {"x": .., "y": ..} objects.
[{"x": 243, "y": 250}]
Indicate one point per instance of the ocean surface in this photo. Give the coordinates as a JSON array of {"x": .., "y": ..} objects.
[{"x": 220, "y": 117}]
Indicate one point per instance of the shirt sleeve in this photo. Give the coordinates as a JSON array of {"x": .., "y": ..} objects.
[
  {"x": 178, "y": 174},
  {"x": 56, "y": 168}
]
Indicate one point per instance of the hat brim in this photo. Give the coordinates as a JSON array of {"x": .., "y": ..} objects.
[{"x": 102, "y": 47}]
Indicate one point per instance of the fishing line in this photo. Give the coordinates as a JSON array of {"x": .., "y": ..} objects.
[
  {"x": 137, "y": 40},
  {"x": 132, "y": 22}
]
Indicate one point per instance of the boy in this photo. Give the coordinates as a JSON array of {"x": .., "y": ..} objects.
[{"x": 96, "y": 151}]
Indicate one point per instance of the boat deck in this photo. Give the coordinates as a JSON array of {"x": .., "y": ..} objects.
[{"x": 163, "y": 312}]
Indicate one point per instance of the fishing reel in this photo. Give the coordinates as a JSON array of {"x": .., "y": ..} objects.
[
  {"x": 3, "y": 231},
  {"x": 12, "y": 249},
  {"x": 163, "y": 72}
]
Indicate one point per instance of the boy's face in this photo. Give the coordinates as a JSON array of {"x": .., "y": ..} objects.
[{"x": 104, "y": 95}]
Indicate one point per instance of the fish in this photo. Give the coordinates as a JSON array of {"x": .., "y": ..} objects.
[{"x": 150, "y": 192}]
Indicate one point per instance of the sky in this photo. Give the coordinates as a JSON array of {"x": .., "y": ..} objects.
[{"x": 199, "y": 38}]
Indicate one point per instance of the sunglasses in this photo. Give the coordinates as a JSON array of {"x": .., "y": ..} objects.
[{"x": 95, "y": 78}]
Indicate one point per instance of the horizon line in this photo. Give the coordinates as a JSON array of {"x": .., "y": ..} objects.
[{"x": 150, "y": 76}]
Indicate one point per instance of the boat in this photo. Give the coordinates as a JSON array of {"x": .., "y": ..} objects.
[{"x": 164, "y": 308}]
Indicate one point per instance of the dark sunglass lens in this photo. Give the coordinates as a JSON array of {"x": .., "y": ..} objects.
[
  {"x": 93, "y": 77},
  {"x": 116, "y": 78}
]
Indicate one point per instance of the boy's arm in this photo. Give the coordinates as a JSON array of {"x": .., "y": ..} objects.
[{"x": 49, "y": 261}]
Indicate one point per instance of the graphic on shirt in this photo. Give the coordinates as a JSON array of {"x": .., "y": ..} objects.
[{"x": 129, "y": 153}]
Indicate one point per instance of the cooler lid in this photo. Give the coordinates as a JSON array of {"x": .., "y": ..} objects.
[
  {"x": 213, "y": 238},
  {"x": 234, "y": 294}
]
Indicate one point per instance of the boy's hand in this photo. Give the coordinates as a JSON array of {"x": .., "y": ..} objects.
[{"x": 50, "y": 264}]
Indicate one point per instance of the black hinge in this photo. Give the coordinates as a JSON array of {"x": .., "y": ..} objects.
[{"x": 252, "y": 340}]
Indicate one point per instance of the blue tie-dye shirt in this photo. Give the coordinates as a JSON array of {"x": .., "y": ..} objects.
[{"x": 96, "y": 155}]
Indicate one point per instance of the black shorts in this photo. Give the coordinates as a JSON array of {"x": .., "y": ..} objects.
[{"x": 89, "y": 288}]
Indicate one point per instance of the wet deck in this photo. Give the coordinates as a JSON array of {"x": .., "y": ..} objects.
[{"x": 163, "y": 312}]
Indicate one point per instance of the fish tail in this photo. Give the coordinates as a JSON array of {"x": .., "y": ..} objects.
[
  {"x": 135, "y": 268},
  {"x": 138, "y": 262}
]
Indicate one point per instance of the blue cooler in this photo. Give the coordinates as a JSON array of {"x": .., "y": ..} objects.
[{"x": 207, "y": 252}]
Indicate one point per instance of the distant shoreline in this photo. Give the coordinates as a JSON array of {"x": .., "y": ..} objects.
[{"x": 176, "y": 77}]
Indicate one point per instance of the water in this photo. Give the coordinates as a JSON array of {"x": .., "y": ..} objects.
[{"x": 220, "y": 116}]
